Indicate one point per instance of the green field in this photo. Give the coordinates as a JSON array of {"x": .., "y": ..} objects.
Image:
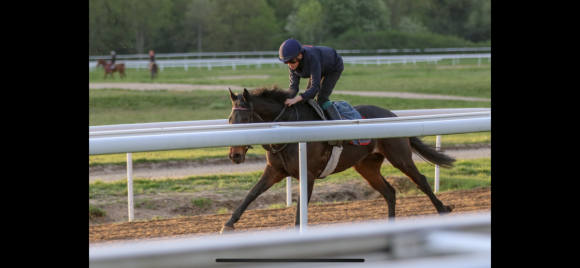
[
  {"x": 117, "y": 106},
  {"x": 465, "y": 79},
  {"x": 467, "y": 174}
]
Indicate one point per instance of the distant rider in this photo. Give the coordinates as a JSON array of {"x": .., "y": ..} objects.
[
  {"x": 113, "y": 58},
  {"x": 151, "y": 58}
]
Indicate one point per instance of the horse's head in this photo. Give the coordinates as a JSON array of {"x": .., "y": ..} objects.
[
  {"x": 241, "y": 113},
  {"x": 101, "y": 62}
]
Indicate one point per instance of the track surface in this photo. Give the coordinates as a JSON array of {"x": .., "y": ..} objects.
[{"x": 478, "y": 199}]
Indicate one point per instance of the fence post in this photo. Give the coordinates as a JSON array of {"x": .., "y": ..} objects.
[
  {"x": 478, "y": 61},
  {"x": 233, "y": 65},
  {"x": 303, "y": 188},
  {"x": 185, "y": 66},
  {"x": 130, "y": 185},
  {"x": 288, "y": 191},
  {"x": 438, "y": 148}
]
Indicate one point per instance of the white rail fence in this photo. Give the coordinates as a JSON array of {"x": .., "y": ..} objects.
[
  {"x": 440, "y": 242},
  {"x": 258, "y": 62},
  {"x": 159, "y": 136},
  {"x": 261, "y": 54}
]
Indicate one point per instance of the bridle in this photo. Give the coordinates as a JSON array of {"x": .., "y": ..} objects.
[{"x": 252, "y": 112}]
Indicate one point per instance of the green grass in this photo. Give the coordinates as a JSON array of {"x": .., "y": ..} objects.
[
  {"x": 116, "y": 106},
  {"x": 95, "y": 212},
  {"x": 466, "y": 174},
  {"x": 202, "y": 202},
  {"x": 465, "y": 79}
]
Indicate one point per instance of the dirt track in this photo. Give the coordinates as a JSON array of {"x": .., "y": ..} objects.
[{"x": 478, "y": 199}]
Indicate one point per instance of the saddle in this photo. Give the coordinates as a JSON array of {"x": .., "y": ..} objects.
[{"x": 347, "y": 112}]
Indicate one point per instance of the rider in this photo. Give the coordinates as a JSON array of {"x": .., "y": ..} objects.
[
  {"x": 321, "y": 65},
  {"x": 112, "y": 60},
  {"x": 151, "y": 58}
]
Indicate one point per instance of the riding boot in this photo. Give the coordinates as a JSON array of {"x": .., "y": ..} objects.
[{"x": 332, "y": 114}]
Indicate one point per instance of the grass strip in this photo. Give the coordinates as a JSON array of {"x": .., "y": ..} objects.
[{"x": 466, "y": 174}]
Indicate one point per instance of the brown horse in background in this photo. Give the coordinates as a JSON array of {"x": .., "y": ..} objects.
[
  {"x": 119, "y": 67},
  {"x": 267, "y": 105}
]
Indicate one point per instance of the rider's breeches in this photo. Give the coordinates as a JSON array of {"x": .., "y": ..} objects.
[{"x": 327, "y": 84}]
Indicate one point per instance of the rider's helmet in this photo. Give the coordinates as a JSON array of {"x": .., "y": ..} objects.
[
  {"x": 289, "y": 49},
  {"x": 112, "y": 52}
]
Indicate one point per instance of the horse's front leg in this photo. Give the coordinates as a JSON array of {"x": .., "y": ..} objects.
[
  {"x": 310, "y": 183},
  {"x": 270, "y": 176}
]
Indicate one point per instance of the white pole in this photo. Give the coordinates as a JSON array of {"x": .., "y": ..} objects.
[
  {"x": 478, "y": 61},
  {"x": 288, "y": 191},
  {"x": 130, "y": 185},
  {"x": 438, "y": 148},
  {"x": 303, "y": 188}
]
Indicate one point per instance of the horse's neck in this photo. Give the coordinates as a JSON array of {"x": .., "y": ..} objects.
[{"x": 289, "y": 114}]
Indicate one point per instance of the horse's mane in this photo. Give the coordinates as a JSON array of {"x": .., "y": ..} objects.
[{"x": 275, "y": 93}]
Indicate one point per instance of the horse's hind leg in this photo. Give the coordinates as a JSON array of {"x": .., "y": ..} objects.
[
  {"x": 270, "y": 177},
  {"x": 398, "y": 152},
  {"x": 370, "y": 169}
]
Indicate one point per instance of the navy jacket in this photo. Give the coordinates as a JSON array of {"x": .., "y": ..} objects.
[{"x": 316, "y": 62}]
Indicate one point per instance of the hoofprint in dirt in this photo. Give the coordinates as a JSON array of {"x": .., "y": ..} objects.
[
  {"x": 478, "y": 199},
  {"x": 176, "y": 169},
  {"x": 188, "y": 87}
]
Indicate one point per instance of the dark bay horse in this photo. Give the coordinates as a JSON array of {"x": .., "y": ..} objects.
[
  {"x": 119, "y": 67},
  {"x": 153, "y": 69},
  {"x": 266, "y": 105}
]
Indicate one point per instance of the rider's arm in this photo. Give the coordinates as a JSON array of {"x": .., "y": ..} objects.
[
  {"x": 294, "y": 83},
  {"x": 315, "y": 81}
]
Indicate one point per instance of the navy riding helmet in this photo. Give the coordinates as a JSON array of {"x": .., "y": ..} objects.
[{"x": 289, "y": 49}]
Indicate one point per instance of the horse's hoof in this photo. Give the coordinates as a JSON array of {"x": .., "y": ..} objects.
[
  {"x": 227, "y": 229},
  {"x": 450, "y": 207}
]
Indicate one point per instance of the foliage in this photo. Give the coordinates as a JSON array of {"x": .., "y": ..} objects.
[
  {"x": 413, "y": 36},
  {"x": 172, "y": 26}
]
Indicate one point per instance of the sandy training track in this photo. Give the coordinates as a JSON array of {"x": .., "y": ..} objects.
[
  {"x": 188, "y": 87},
  {"x": 322, "y": 216}
]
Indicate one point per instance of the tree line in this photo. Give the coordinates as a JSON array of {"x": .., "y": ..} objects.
[{"x": 174, "y": 26}]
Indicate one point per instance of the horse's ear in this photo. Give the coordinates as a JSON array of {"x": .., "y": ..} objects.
[
  {"x": 246, "y": 96},
  {"x": 232, "y": 95}
]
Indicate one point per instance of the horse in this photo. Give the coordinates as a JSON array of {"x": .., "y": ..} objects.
[
  {"x": 119, "y": 67},
  {"x": 153, "y": 69},
  {"x": 267, "y": 105}
]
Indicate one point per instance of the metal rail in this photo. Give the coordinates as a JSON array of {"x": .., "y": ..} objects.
[
  {"x": 275, "y": 53},
  {"x": 161, "y": 125},
  {"x": 258, "y": 62},
  {"x": 448, "y": 241}
]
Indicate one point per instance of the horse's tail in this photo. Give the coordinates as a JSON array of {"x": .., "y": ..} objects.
[{"x": 429, "y": 154}]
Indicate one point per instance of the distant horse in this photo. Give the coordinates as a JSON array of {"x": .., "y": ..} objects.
[
  {"x": 153, "y": 69},
  {"x": 119, "y": 67},
  {"x": 266, "y": 105}
]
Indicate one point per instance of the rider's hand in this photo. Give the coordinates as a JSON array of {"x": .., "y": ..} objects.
[{"x": 293, "y": 101}]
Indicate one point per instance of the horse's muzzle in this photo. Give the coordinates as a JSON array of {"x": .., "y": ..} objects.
[{"x": 237, "y": 158}]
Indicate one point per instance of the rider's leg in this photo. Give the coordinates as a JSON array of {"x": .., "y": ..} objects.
[{"x": 326, "y": 86}]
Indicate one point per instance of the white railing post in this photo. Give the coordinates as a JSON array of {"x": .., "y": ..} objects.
[
  {"x": 130, "y": 185},
  {"x": 478, "y": 61},
  {"x": 438, "y": 148},
  {"x": 303, "y": 188},
  {"x": 288, "y": 191}
]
